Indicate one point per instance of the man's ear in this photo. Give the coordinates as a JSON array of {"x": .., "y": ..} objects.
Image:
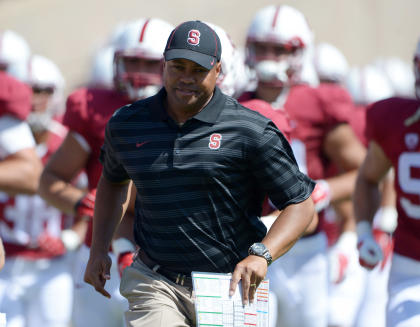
[{"x": 218, "y": 68}]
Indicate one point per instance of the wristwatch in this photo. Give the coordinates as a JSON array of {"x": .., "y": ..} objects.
[{"x": 260, "y": 250}]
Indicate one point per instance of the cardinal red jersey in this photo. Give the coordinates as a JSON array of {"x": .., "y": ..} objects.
[
  {"x": 394, "y": 124},
  {"x": 278, "y": 117},
  {"x": 23, "y": 218},
  {"x": 15, "y": 97},
  {"x": 313, "y": 114},
  {"x": 87, "y": 113}
]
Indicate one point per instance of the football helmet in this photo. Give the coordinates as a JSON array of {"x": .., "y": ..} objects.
[
  {"x": 139, "y": 56},
  {"x": 330, "y": 63},
  {"x": 232, "y": 79},
  {"x": 14, "y": 54},
  {"x": 277, "y": 40},
  {"x": 399, "y": 74},
  {"x": 47, "y": 84},
  {"x": 367, "y": 85},
  {"x": 417, "y": 70},
  {"x": 102, "y": 73}
]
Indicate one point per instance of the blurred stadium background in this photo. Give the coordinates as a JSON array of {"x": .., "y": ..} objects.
[{"x": 69, "y": 32}]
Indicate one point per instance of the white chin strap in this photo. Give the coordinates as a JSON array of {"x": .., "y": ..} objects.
[
  {"x": 141, "y": 93},
  {"x": 270, "y": 71}
]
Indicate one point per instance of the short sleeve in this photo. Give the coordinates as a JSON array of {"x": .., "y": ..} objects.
[
  {"x": 113, "y": 170},
  {"x": 15, "y": 135},
  {"x": 276, "y": 170},
  {"x": 76, "y": 114}
]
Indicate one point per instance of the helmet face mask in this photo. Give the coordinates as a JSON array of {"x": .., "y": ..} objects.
[
  {"x": 47, "y": 84},
  {"x": 278, "y": 34},
  {"x": 137, "y": 76},
  {"x": 138, "y": 58}
]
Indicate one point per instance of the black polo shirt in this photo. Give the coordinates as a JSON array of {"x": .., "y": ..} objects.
[{"x": 201, "y": 186}]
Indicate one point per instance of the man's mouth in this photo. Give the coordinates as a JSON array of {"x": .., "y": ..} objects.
[{"x": 186, "y": 91}]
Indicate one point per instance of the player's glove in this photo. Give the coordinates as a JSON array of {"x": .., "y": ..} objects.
[
  {"x": 370, "y": 253},
  {"x": 57, "y": 246},
  {"x": 124, "y": 252},
  {"x": 124, "y": 260},
  {"x": 341, "y": 256},
  {"x": 85, "y": 206},
  {"x": 321, "y": 195}
]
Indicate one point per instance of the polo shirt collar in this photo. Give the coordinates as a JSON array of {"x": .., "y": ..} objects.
[{"x": 209, "y": 113}]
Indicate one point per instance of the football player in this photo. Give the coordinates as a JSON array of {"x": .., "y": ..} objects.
[
  {"x": 138, "y": 59},
  {"x": 367, "y": 85},
  {"x": 279, "y": 49},
  {"x": 36, "y": 272},
  {"x": 394, "y": 142}
]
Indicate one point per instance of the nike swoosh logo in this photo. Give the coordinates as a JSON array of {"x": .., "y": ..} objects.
[{"x": 138, "y": 145}]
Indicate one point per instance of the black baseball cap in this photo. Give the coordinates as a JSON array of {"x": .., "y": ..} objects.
[{"x": 195, "y": 41}]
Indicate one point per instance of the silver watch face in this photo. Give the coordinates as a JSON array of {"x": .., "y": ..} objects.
[{"x": 258, "y": 248}]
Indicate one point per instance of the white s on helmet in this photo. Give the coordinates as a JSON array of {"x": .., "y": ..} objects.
[
  {"x": 14, "y": 54},
  {"x": 102, "y": 73},
  {"x": 44, "y": 74},
  {"x": 367, "y": 85},
  {"x": 280, "y": 25},
  {"x": 399, "y": 74},
  {"x": 233, "y": 78},
  {"x": 330, "y": 63},
  {"x": 143, "y": 39},
  {"x": 417, "y": 69}
]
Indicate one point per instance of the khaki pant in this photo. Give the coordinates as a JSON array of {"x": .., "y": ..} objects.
[{"x": 154, "y": 301}]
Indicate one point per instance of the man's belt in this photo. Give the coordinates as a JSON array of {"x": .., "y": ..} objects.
[{"x": 177, "y": 278}]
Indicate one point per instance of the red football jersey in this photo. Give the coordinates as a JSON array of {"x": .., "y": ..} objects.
[
  {"x": 278, "y": 117},
  {"x": 313, "y": 113},
  {"x": 15, "y": 97},
  {"x": 394, "y": 124},
  {"x": 23, "y": 218},
  {"x": 87, "y": 113}
]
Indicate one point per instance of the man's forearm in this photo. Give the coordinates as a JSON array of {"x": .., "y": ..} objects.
[
  {"x": 366, "y": 199},
  {"x": 20, "y": 173},
  {"x": 289, "y": 227},
  {"x": 110, "y": 206}
]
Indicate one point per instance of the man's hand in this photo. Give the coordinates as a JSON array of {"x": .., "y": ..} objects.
[
  {"x": 85, "y": 206},
  {"x": 341, "y": 256},
  {"x": 321, "y": 195},
  {"x": 54, "y": 246},
  {"x": 124, "y": 251},
  {"x": 97, "y": 272},
  {"x": 370, "y": 253},
  {"x": 386, "y": 242},
  {"x": 251, "y": 271},
  {"x": 57, "y": 246}
]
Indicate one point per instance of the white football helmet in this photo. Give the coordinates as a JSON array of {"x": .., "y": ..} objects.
[
  {"x": 399, "y": 74},
  {"x": 367, "y": 85},
  {"x": 44, "y": 76},
  {"x": 143, "y": 39},
  {"x": 233, "y": 78},
  {"x": 14, "y": 54},
  {"x": 417, "y": 69},
  {"x": 281, "y": 26},
  {"x": 330, "y": 63},
  {"x": 102, "y": 73}
]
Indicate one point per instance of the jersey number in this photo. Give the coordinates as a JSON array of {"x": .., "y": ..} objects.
[{"x": 411, "y": 185}]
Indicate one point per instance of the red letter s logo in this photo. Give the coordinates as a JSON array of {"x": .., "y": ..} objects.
[
  {"x": 215, "y": 140},
  {"x": 194, "y": 37}
]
